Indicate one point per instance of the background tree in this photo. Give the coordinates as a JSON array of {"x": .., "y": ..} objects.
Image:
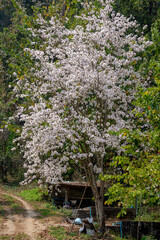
[
  {"x": 13, "y": 64},
  {"x": 139, "y": 165},
  {"x": 6, "y": 13},
  {"x": 145, "y": 12}
]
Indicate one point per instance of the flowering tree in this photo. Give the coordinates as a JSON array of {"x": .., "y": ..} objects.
[{"x": 81, "y": 90}]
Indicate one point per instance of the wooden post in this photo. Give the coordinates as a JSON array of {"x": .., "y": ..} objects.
[{"x": 66, "y": 194}]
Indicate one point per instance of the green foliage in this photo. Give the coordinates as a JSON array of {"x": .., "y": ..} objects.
[
  {"x": 45, "y": 212},
  {"x": 34, "y": 194},
  {"x": 148, "y": 238},
  {"x": 48, "y": 210},
  {"x": 119, "y": 238},
  {"x": 139, "y": 166},
  {"x": 20, "y": 236},
  {"x": 29, "y": 5},
  {"x": 6, "y": 13},
  {"x": 2, "y": 211},
  {"x": 9, "y": 198},
  {"x": 14, "y": 62},
  {"x": 144, "y": 11},
  {"x": 151, "y": 64},
  {"x": 10, "y": 161},
  {"x": 16, "y": 208},
  {"x": 138, "y": 175},
  {"x": 149, "y": 214},
  {"x": 65, "y": 212},
  {"x": 58, "y": 232},
  {"x": 50, "y": 206},
  {"x": 52, "y": 209},
  {"x": 143, "y": 238},
  {"x": 136, "y": 171},
  {"x": 14, "y": 205}
]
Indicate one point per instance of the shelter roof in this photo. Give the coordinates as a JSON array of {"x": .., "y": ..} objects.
[{"x": 76, "y": 184}]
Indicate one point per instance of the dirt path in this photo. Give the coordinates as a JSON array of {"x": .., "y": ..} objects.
[{"x": 22, "y": 223}]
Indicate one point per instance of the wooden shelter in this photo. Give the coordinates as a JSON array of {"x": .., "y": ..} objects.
[{"x": 73, "y": 192}]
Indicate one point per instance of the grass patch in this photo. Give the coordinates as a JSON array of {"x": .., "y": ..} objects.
[
  {"x": 65, "y": 212},
  {"x": 20, "y": 236},
  {"x": 14, "y": 205},
  {"x": 16, "y": 208},
  {"x": 148, "y": 238},
  {"x": 143, "y": 238},
  {"x": 9, "y": 198},
  {"x": 119, "y": 238},
  {"x": 49, "y": 209},
  {"x": 58, "y": 211},
  {"x": 2, "y": 211},
  {"x": 34, "y": 194},
  {"x": 45, "y": 212},
  {"x": 60, "y": 233}
]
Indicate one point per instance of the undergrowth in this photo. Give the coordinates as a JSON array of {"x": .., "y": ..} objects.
[
  {"x": 148, "y": 238},
  {"x": 20, "y": 236},
  {"x": 149, "y": 214},
  {"x": 49, "y": 209},
  {"x": 34, "y": 194},
  {"x": 60, "y": 233}
]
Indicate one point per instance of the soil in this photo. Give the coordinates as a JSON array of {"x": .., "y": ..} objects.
[{"x": 25, "y": 221}]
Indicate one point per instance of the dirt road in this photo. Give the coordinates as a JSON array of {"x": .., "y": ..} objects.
[{"x": 26, "y": 223}]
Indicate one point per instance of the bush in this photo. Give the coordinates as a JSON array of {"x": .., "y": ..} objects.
[{"x": 34, "y": 194}]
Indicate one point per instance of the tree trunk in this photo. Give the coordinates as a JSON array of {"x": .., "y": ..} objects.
[
  {"x": 98, "y": 192},
  {"x": 100, "y": 211}
]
